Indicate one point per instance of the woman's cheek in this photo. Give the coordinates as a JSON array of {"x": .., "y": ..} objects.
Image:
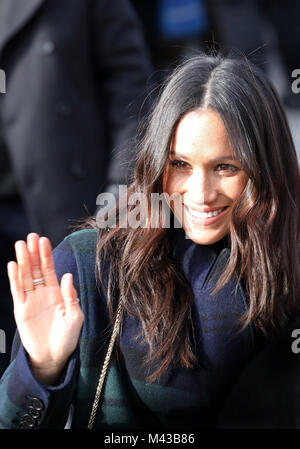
[
  {"x": 233, "y": 187},
  {"x": 171, "y": 183}
]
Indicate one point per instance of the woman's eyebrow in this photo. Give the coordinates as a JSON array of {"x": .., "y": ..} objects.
[
  {"x": 181, "y": 156},
  {"x": 227, "y": 157}
]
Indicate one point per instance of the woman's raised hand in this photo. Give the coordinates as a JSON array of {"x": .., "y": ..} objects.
[{"x": 48, "y": 315}]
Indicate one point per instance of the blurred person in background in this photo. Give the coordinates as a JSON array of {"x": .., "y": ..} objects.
[
  {"x": 174, "y": 30},
  {"x": 76, "y": 73},
  {"x": 257, "y": 28}
]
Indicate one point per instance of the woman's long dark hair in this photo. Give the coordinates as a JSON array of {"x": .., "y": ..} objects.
[{"x": 264, "y": 229}]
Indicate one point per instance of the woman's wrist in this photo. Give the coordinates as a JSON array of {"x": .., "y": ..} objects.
[{"x": 48, "y": 374}]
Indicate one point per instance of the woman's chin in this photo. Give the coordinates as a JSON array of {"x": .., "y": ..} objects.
[{"x": 205, "y": 237}]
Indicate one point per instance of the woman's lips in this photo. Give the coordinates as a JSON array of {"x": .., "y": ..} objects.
[{"x": 205, "y": 218}]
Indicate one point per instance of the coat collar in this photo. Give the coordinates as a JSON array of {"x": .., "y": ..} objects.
[
  {"x": 194, "y": 260},
  {"x": 14, "y": 15},
  {"x": 217, "y": 316}
]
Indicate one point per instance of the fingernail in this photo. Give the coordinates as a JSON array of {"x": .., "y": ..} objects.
[
  {"x": 32, "y": 234},
  {"x": 19, "y": 243}
]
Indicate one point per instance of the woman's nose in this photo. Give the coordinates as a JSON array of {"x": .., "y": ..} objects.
[{"x": 202, "y": 188}]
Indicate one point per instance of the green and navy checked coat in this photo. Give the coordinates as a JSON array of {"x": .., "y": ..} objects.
[{"x": 238, "y": 382}]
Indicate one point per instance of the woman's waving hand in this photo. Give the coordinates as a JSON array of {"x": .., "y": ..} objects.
[{"x": 47, "y": 314}]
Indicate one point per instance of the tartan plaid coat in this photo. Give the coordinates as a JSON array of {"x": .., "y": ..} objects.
[{"x": 238, "y": 382}]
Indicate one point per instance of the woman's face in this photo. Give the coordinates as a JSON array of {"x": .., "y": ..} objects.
[{"x": 203, "y": 171}]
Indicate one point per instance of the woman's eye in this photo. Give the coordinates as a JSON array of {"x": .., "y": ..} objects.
[
  {"x": 178, "y": 164},
  {"x": 227, "y": 167}
]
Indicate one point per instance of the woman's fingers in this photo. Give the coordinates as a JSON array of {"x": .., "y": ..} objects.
[
  {"x": 15, "y": 287},
  {"x": 35, "y": 261},
  {"x": 47, "y": 263},
  {"x": 34, "y": 254},
  {"x": 24, "y": 266},
  {"x": 69, "y": 293}
]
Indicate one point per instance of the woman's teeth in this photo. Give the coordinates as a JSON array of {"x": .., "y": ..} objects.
[{"x": 204, "y": 215}]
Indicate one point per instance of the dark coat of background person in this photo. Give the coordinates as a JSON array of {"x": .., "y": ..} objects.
[
  {"x": 260, "y": 29},
  {"x": 76, "y": 75},
  {"x": 76, "y": 79}
]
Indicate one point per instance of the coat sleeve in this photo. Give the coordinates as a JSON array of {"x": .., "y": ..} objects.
[
  {"x": 24, "y": 401},
  {"x": 123, "y": 66}
]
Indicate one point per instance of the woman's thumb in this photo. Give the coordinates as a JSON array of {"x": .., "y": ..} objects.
[{"x": 68, "y": 291}]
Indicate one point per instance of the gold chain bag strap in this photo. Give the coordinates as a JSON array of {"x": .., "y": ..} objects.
[{"x": 114, "y": 334}]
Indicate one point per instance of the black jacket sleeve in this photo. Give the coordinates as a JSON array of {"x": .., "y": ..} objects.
[{"x": 123, "y": 66}]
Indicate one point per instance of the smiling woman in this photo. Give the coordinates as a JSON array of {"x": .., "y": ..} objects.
[
  {"x": 218, "y": 136},
  {"x": 202, "y": 324},
  {"x": 203, "y": 170}
]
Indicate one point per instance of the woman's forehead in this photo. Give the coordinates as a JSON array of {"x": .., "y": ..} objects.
[{"x": 201, "y": 133}]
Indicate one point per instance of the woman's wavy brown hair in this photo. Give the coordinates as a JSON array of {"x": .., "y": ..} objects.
[{"x": 264, "y": 230}]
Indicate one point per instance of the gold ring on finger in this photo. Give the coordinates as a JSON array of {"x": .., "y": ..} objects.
[{"x": 28, "y": 289}]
